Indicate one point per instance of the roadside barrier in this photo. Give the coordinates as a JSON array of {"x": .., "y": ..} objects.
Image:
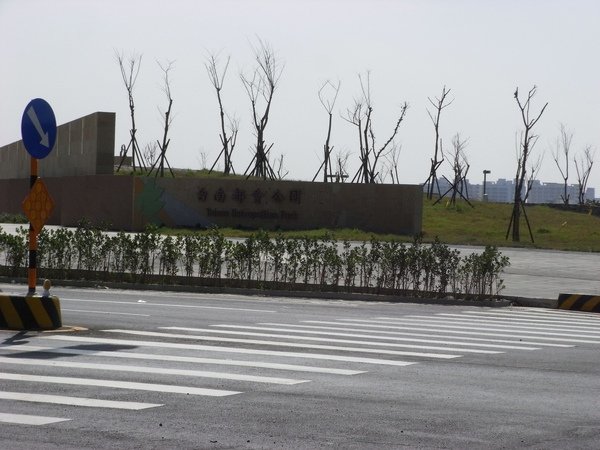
[
  {"x": 579, "y": 302},
  {"x": 30, "y": 312}
]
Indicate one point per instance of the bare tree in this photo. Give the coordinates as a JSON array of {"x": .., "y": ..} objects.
[
  {"x": 260, "y": 87},
  {"x": 392, "y": 162},
  {"x": 583, "y": 168},
  {"x": 563, "y": 146},
  {"x": 168, "y": 119},
  {"x": 328, "y": 103},
  {"x": 217, "y": 78},
  {"x": 341, "y": 165},
  {"x": 526, "y": 144},
  {"x": 438, "y": 156},
  {"x": 149, "y": 153},
  {"x": 202, "y": 158},
  {"x": 130, "y": 70},
  {"x": 360, "y": 115},
  {"x": 460, "y": 169}
]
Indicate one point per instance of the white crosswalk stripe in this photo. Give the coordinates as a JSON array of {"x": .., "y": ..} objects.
[
  {"x": 75, "y": 401},
  {"x": 153, "y": 370},
  {"x": 24, "y": 419},
  {"x": 329, "y": 325},
  {"x": 291, "y": 329},
  {"x": 516, "y": 318},
  {"x": 332, "y": 348},
  {"x": 189, "y": 359},
  {"x": 521, "y": 326},
  {"x": 282, "y": 344},
  {"x": 320, "y": 339},
  {"x": 186, "y": 390},
  {"x": 467, "y": 329},
  {"x": 241, "y": 350}
]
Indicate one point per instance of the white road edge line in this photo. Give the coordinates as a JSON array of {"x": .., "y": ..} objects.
[
  {"x": 104, "y": 312},
  {"x": 149, "y": 303}
]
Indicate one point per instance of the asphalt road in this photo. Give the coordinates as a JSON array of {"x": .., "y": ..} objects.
[{"x": 164, "y": 370}]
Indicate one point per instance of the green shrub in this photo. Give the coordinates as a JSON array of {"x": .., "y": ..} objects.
[{"x": 319, "y": 262}]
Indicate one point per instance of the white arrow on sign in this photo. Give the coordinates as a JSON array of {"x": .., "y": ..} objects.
[{"x": 45, "y": 141}]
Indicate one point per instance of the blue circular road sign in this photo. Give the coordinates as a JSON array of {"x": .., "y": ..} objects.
[{"x": 38, "y": 128}]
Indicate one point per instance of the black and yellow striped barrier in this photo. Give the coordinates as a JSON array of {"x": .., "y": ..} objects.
[
  {"x": 30, "y": 313},
  {"x": 579, "y": 302}
]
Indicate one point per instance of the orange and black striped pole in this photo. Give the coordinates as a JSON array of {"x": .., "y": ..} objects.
[{"x": 32, "y": 268}]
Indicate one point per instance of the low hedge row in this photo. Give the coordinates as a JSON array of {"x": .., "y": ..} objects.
[{"x": 263, "y": 259}]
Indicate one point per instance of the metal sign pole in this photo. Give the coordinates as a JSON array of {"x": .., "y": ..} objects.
[{"x": 32, "y": 268}]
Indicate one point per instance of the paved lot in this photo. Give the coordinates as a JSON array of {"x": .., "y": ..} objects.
[{"x": 548, "y": 273}]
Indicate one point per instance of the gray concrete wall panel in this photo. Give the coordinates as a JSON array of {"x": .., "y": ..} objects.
[
  {"x": 83, "y": 147},
  {"x": 130, "y": 203}
]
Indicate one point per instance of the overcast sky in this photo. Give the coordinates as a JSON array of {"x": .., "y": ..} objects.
[{"x": 64, "y": 51}]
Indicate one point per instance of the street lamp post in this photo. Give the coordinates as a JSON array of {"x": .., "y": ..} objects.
[{"x": 485, "y": 173}]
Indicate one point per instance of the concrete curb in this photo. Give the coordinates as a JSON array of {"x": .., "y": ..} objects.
[
  {"x": 29, "y": 312},
  {"x": 501, "y": 301},
  {"x": 579, "y": 302}
]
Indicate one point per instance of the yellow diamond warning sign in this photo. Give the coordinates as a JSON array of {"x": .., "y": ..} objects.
[{"x": 38, "y": 205}]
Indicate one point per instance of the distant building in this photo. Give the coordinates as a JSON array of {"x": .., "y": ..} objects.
[{"x": 503, "y": 191}]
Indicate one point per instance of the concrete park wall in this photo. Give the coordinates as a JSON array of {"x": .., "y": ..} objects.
[
  {"x": 129, "y": 203},
  {"x": 84, "y": 146}
]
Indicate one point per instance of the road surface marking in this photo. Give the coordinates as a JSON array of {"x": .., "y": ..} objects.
[
  {"x": 542, "y": 318},
  {"x": 154, "y": 370},
  {"x": 436, "y": 335},
  {"x": 75, "y": 401},
  {"x": 455, "y": 330},
  {"x": 117, "y": 384},
  {"x": 283, "y": 344},
  {"x": 215, "y": 348},
  {"x": 322, "y": 339},
  {"x": 442, "y": 322},
  {"x": 173, "y": 358},
  {"x": 521, "y": 326},
  {"x": 578, "y": 314},
  {"x": 287, "y": 328},
  {"x": 170, "y": 305},
  {"x": 104, "y": 312},
  {"x": 22, "y": 419}
]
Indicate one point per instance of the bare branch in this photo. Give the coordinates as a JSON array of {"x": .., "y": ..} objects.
[{"x": 329, "y": 102}]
